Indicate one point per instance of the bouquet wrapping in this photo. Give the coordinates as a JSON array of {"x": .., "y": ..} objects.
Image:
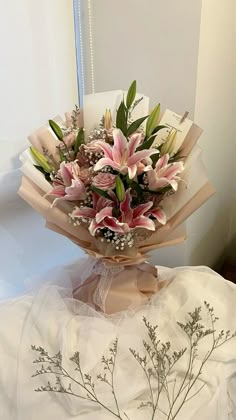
[{"x": 119, "y": 181}]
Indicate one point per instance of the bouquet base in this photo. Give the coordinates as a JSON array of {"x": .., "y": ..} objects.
[{"x": 115, "y": 289}]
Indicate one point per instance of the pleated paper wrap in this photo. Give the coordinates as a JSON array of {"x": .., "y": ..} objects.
[{"x": 107, "y": 280}]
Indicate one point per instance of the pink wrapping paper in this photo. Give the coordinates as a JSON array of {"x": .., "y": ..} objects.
[
  {"x": 130, "y": 287},
  {"x": 137, "y": 281}
]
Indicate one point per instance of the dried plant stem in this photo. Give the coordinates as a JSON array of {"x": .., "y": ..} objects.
[
  {"x": 170, "y": 416},
  {"x": 112, "y": 383},
  {"x": 190, "y": 387},
  {"x": 92, "y": 395},
  {"x": 157, "y": 365}
]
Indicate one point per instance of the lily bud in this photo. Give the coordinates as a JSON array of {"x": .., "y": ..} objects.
[
  {"x": 41, "y": 160},
  {"x": 169, "y": 145},
  {"x": 120, "y": 189},
  {"x": 107, "y": 120}
]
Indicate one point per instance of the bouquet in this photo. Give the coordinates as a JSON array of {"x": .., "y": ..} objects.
[{"x": 119, "y": 181}]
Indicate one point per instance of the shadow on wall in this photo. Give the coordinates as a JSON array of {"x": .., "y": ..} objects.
[
  {"x": 9, "y": 156},
  {"x": 230, "y": 252},
  {"x": 228, "y": 267},
  {"x": 212, "y": 250}
]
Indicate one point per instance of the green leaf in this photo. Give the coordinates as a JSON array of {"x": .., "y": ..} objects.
[
  {"x": 79, "y": 140},
  {"x": 128, "y": 180},
  {"x": 41, "y": 160},
  {"x": 135, "y": 125},
  {"x": 47, "y": 177},
  {"x": 137, "y": 188},
  {"x": 121, "y": 118},
  {"x": 155, "y": 158},
  {"x": 40, "y": 169},
  {"x": 148, "y": 143},
  {"x": 152, "y": 120},
  {"x": 120, "y": 189},
  {"x": 46, "y": 174},
  {"x": 101, "y": 192},
  {"x": 158, "y": 128},
  {"x": 56, "y": 129},
  {"x": 177, "y": 156},
  {"x": 131, "y": 94}
]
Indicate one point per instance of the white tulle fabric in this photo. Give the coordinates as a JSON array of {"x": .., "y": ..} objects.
[{"x": 51, "y": 318}]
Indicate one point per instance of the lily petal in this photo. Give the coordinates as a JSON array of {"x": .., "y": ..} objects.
[
  {"x": 106, "y": 148},
  {"x": 112, "y": 224},
  {"x": 138, "y": 156},
  {"x": 162, "y": 162},
  {"x": 66, "y": 173},
  {"x": 94, "y": 226},
  {"x": 105, "y": 212},
  {"x": 154, "y": 182},
  {"x": 106, "y": 162},
  {"x": 58, "y": 191},
  {"x": 117, "y": 156},
  {"x": 143, "y": 222},
  {"x": 76, "y": 191},
  {"x": 132, "y": 170},
  {"x": 84, "y": 212},
  {"x": 102, "y": 203},
  {"x": 120, "y": 141},
  {"x": 142, "y": 209},
  {"x": 174, "y": 169},
  {"x": 148, "y": 168},
  {"x": 174, "y": 184},
  {"x": 159, "y": 215},
  {"x": 134, "y": 142},
  {"x": 125, "y": 205}
]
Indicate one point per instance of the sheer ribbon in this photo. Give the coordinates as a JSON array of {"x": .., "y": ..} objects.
[{"x": 114, "y": 288}]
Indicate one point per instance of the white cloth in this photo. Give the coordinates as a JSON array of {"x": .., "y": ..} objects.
[{"x": 50, "y": 318}]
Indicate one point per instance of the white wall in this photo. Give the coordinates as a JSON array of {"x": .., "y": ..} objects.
[
  {"x": 210, "y": 228},
  {"x": 37, "y": 81},
  {"x": 232, "y": 233},
  {"x": 38, "y": 71},
  {"x": 166, "y": 49},
  {"x": 155, "y": 42}
]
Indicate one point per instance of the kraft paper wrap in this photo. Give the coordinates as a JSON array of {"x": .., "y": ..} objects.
[{"x": 137, "y": 280}]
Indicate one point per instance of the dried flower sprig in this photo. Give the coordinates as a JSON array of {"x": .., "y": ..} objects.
[
  {"x": 158, "y": 363},
  {"x": 158, "y": 366},
  {"x": 85, "y": 383},
  {"x": 74, "y": 117}
]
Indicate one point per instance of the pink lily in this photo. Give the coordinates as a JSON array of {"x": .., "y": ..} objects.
[
  {"x": 102, "y": 208},
  {"x": 138, "y": 217},
  {"x": 132, "y": 218},
  {"x": 122, "y": 156},
  {"x": 129, "y": 219},
  {"x": 164, "y": 174},
  {"x": 68, "y": 186}
]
